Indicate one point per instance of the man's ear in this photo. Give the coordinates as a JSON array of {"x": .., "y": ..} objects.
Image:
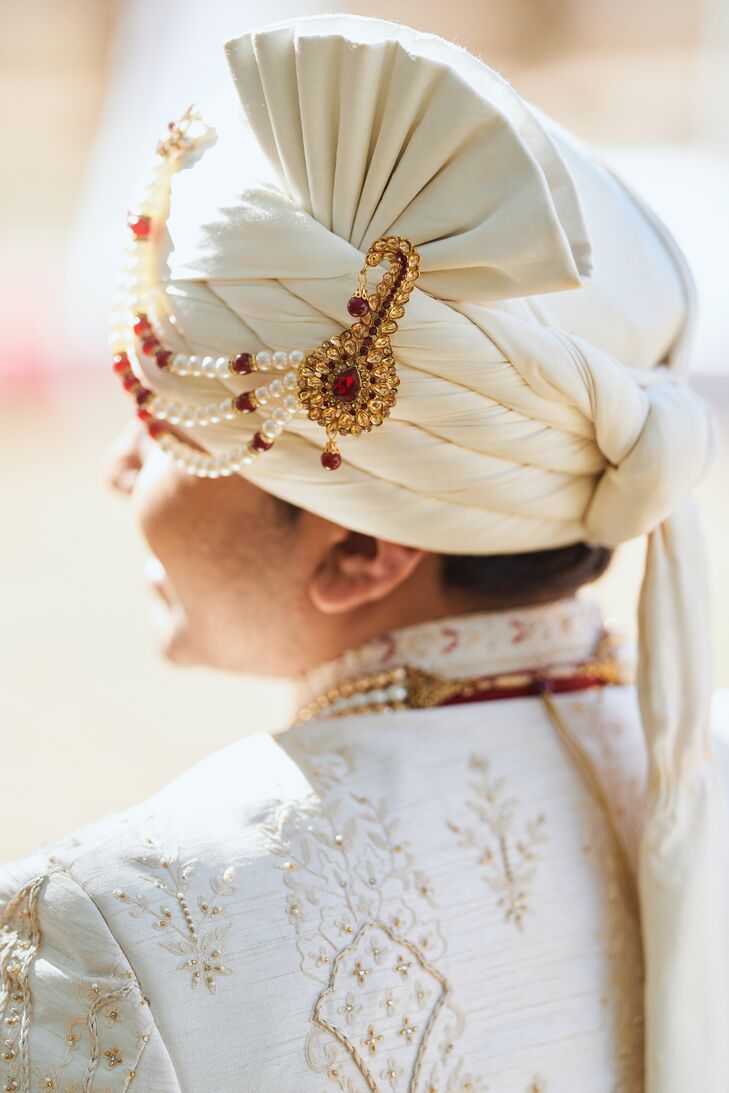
[{"x": 360, "y": 569}]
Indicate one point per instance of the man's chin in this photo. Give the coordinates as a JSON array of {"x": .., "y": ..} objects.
[{"x": 172, "y": 636}]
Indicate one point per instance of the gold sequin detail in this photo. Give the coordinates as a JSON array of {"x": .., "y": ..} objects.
[{"x": 196, "y": 935}]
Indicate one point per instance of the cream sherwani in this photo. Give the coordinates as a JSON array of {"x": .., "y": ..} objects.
[{"x": 427, "y": 900}]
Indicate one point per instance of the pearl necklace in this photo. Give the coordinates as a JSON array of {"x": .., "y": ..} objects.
[{"x": 408, "y": 687}]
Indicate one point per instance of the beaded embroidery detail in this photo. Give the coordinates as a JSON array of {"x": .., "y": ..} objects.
[
  {"x": 94, "y": 1031},
  {"x": 198, "y": 938},
  {"x": 365, "y": 928},
  {"x": 509, "y": 859}
]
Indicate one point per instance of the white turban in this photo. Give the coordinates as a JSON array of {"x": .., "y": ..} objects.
[{"x": 542, "y": 359}]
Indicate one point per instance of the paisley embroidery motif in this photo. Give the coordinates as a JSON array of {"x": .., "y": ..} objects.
[
  {"x": 365, "y": 931},
  {"x": 198, "y": 938},
  {"x": 508, "y": 856}
]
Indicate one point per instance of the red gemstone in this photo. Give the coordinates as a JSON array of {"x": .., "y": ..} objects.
[
  {"x": 149, "y": 346},
  {"x": 331, "y": 460},
  {"x": 242, "y": 364},
  {"x": 244, "y": 403},
  {"x": 163, "y": 357},
  {"x": 347, "y": 385},
  {"x": 144, "y": 415},
  {"x": 142, "y": 395},
  {"x": 260, "y": 443},
  {"x": 357, "y": 306},
  {"x": 121, "y": 362},
  {"x": 140, "y": 225},
  {"x": 142, "y": 326},
  {"x": 156, "y": 429},
  {"x": 129, "y": 382}
]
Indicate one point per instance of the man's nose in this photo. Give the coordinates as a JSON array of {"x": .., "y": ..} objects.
[{"x": 124, "y": 459}]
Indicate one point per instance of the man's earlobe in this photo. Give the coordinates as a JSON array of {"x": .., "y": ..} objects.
[{"x": 358, "y": 570}]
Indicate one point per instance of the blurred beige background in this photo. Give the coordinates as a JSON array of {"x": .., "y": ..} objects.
[{"x": 90, "y": 719}]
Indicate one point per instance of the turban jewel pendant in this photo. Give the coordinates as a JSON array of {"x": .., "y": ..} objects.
[{"x": 349, "y": 383}]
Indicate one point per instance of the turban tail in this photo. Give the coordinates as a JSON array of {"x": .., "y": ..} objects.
[{"x": 541, "y": 403}]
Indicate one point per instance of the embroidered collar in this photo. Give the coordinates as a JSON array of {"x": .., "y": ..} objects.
[{"x": 478, "y": 643}]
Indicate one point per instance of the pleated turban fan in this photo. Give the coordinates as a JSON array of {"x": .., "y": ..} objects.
[{"x": 542, "y": 359}]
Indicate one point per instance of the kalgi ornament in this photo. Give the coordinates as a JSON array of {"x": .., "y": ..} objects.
[{"x": 347, "y": 385}]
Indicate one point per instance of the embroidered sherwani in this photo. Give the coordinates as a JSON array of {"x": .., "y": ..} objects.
[{"x": 422, "y": 900}]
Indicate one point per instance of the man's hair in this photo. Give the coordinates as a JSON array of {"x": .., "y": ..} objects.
[{"x": 516, "y": 580}]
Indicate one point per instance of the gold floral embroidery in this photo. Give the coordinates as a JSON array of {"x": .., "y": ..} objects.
[
  {"x": 363, "y": 920},
  {"x": 20, "y": 941},
  {"x": 509, "y": 859},
  {"x": 20, "y": 938},
  {"x": 199, "y": 938}
]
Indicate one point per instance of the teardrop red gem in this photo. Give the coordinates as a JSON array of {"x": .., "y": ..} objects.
[{"x": 347, "y": 384}]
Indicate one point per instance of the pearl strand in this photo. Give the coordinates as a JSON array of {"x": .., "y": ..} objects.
[
  {"x": 133, "y": 335},
  {"x": 183, "y": 364},
  {"x": 227, "y": 409}
]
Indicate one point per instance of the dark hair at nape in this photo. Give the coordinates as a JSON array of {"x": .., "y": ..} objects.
[{"x": 518, "y": 580}]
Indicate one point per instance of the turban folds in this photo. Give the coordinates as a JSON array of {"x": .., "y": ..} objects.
[{"x": 542, "y": 359}]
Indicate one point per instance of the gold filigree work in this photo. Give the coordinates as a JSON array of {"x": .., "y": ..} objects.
[
  {"x": 199, "y": 937},
  {"x": 349, "y": 383},
  {"x": 509, "y": 858}
]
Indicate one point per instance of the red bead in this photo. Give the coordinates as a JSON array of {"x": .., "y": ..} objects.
[
  {"x": 140, "y": 225},
  {"x": 121, "y": 362},
  {"x": 163, "y": 357},
  {"x": 144, "y": 415},
  {"x": 149, "y": 346},
  {"x": 347, "y": 385},
  {"x": 260, "y": 443},
  {"x": 245, "y": 403},
  {"x": 357, "y": 306},
  {"x": 142, "y": 326},
  {"x": 142, "y": 395},
  {"x": 155, "y": 429},
  {"x": 129, "y": 381},
  {"x": 242, "y": 364},
  {"x": 331, "y": 460}
]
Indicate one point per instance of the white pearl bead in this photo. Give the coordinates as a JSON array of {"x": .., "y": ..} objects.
[
  {"x": 398, "y": 694},
  {"x": 221, "y": 367},
  {"x": 276, "y": 389},
  {"x": 280, "y": 416},
  {"x": 270, "y": 428},
  {"x": 291, "y": 381},
  {"x": 378, "y": 696},
  {"x": 213, "y": 472},
  {"x": 296, "y": 357},
  {"x": 208, "y": 366},
  {"x": 190, "y": 421},
  {"x": 263, "y": 359},
  {"x": 280, "y": 359},
  {"x": 261, "y": 394},
  {"x": 229, "y": 414},
  {"x": 291, "y": 404},
  {"x": 212, "y": 413},
  {"x": 193, "y": 362},
  {"x": 226, "y": 471}
]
